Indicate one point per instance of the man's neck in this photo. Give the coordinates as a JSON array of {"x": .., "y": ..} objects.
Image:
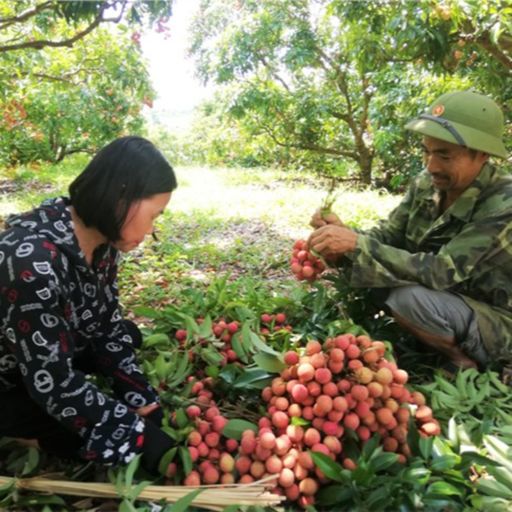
[{"x": 447, "y": 200}]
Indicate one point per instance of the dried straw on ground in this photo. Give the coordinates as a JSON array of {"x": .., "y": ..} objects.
[{"x": 213, "y": 497}]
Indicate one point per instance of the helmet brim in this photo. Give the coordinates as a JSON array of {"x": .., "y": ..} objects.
[{"x": 474, "y": 139}]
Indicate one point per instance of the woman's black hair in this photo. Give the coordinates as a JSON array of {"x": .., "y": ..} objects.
[{"x": 125, "y": 171}]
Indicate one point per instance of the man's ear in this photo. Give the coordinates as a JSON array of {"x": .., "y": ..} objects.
[{"x": 483, "y": 156}]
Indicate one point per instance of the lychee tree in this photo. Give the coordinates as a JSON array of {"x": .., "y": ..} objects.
[
  {"x": 31, "y": 25},
  {"x": 329, "y": 84},
  {"x": 73, "y": 99}
]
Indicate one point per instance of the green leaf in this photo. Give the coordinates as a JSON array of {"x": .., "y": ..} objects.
[
  {"x": 328, "y": 467},
  {"x": 181, "y": 418},
  {"x": 38, "y": 501},
  {"x": 269, "y": 362},
  {"x": 502, "y": 475},
  {"x": 191, "y": 325},
  {"x": 186, "y": 460},
  {"x": 453, "y": 434},
  {"x": 161, "y": 366},
  {"x": 130, "y": 470},
  {"x": 181, "y": 372},
  {"x": 441, "y": 489},
  {"x": 470, "y": 458},
  {"x": 382, "y": 461},
  {"x": 498, "y": 450},
  {"x": 147, "y": 312},
  {"x": 490, "y": 503},
  {"x": 31, "y": 462},
  {"x": 211, "y": 355},
  {"x": 212, "y": 371},
  {"x": 127, "y": 506},
  {"x": 379, "y": 498},
  {"x": 425, "y": 446},
  {"x": 252, "y": 378},
  {"x": 299, "y": 421},
  {"x": 445, "y": 462},
  {"x": 7, "y": 486},
  {"x": 235, "y": 427},
  {"x": 418, "y": 475},
  {"x": 334, "y": 495},
  {"x": 166, "y": 459},
  {"x": 258, "y": 343},
  {"x": 491, "y": 487},
  {"x": 238, "y": 348},
  {"x": 370, "y": 446},
  {"x": 205, "y": 328},
  {"x": 137, "y": 489},
  {"x": 229, "y": 373},
  {"x": 157, "y": 339},
  {"x": 183, "y": 504}
]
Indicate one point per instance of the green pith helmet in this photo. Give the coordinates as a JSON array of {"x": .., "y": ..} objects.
[{"x": 465, "y": 118}]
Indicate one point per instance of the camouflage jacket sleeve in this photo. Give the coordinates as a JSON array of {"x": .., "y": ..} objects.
[{"x": 457, "y": 250}]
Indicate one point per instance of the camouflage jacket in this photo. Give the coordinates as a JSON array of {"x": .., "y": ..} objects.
[{"x": 466, "y": 250}]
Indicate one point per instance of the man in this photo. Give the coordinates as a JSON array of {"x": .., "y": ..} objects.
[{"x": 445, "y": 252}]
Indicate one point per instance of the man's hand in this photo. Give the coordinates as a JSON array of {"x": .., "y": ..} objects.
[
  {"x": 318, "y": 220},
  {"x": 332, "y": 242}
]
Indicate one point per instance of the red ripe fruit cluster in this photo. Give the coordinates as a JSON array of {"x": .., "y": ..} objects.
[
  {"x": 304, "y": 264},
  {"x": 273, "y": 322},
  {"x": 344, "y": 383},
  {"x": 213, "y": 455},
  {"x": 327, "y": 390},
  {"x": 223, "y": 332}
]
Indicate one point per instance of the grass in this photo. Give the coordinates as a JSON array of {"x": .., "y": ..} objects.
[
  {"x": 222, "y": 224},
  {"x": 225, "y": 241},
  {"x": 236, "y": 222}
]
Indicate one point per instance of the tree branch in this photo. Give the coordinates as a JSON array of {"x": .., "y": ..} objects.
[
  {"x": 272, "y": 72},
  {"x": 38, "y": 44},
  {"x": 485, "y": 42},
  {"x": 309, "y": 147},
  {"x": 6, "y": 22}
]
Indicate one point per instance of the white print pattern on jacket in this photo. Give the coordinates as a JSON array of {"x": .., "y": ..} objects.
[{"x": 56, "y": 310}]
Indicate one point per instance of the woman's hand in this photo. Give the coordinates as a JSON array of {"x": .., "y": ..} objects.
[
  {"x": 332, "y": 241},
  {"x": 27, "y": 443},
  {"x": 147, "y": 409}
]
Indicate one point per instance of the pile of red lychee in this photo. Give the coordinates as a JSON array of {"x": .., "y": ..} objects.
[
  {"x": 223, "y": 332},
  {"x": 274, "y": 322},
  {"x": 304, "y": 264},
  {"x": 324, "y": 391}
]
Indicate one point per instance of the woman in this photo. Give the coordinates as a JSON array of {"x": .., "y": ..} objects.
[{"x": 60, "y": 318}]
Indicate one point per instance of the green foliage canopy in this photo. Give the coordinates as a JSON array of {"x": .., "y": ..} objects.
[
  {"x": 336, "y": 80},
  {"x": 72, "y": 75}
]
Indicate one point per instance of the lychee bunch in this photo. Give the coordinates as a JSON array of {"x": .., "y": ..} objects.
[{"x": 304, "y": 264}]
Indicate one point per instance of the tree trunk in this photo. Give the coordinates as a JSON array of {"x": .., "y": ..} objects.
[{"x": 365, "y": 163}]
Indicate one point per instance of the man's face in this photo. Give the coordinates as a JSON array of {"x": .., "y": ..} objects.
[{"x": 452, "y": 168}]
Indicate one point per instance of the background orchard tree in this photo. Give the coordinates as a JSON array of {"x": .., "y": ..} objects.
[
  {"x": 72, "y": 75},
  {"x": 74, "y": 99},
  {"x": 37, "y": 24},
  {"x": 332, "y": 82}
]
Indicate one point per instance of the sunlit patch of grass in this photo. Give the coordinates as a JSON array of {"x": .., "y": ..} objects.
[
  {"x": 30, "y": 184},
  {"x": 285, "y": 205},
  {"x": 236, "y": 222}
]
